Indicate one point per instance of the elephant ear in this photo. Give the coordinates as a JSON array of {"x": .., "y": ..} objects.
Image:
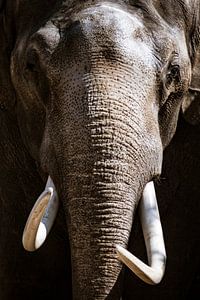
[
  {"x": 7, "y": 95},
  {"x": 191, "y": 103}
]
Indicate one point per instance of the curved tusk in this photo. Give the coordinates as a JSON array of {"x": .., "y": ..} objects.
[
  {"x": 41, "y": 218},
  {"x": 153, "y": 235}
]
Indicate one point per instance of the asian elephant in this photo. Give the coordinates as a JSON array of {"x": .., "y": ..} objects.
[{"x": 92, "y": 91}]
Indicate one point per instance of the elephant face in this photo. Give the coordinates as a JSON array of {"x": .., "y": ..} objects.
[
  {"x": 106, "y": 46},
  {"x": 99, "y": 88}
]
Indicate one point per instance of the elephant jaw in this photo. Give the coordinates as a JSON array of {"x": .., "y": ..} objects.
[{"x": 43, "y": 214}]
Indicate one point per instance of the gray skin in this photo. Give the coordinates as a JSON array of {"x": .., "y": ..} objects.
[{"x": 96, "y": 88}]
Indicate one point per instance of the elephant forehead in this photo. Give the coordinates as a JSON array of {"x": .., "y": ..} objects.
[
  {"x": 112, "y": 14},
  {"x": 109, "y": 20},
  {"x": 102, "y": 25},
  {"x": 106, "y": 27}
]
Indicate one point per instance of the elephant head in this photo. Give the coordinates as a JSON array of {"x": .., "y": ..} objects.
[{"x": 97, "y": 87}]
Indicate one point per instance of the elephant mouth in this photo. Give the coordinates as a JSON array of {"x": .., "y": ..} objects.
[{"x": 44, "y": 212}]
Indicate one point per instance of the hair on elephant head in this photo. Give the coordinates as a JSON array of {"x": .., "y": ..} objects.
[{"x": 99, "y": 86}]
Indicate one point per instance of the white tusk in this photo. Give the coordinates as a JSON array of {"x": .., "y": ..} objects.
[
  {"x": 153, "y": 235},
  {"x": 41, "y": 218}
]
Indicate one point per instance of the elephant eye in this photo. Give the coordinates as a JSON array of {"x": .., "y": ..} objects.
[
  {"x": 32, "y": 67},
  {"x": 32, "y": 62},
  {"x": 173, "y": 75}
]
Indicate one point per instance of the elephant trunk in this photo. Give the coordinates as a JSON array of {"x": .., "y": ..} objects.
[
  {"x": 104, "y": 164},
  {"x": 102, "y": 187},
  {"x": 108, "y": 154},
  {"x": 106, "y": 150},
  {"x": 99, "y": 218}
]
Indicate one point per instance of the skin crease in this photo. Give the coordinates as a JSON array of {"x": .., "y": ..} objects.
[{"x": 78, "y": 78}]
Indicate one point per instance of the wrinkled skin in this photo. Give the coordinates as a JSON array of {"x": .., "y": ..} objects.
[{"x": 104, "y": 83}]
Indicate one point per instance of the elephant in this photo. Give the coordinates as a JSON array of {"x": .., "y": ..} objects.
[{"x": 90, "y": 95}]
